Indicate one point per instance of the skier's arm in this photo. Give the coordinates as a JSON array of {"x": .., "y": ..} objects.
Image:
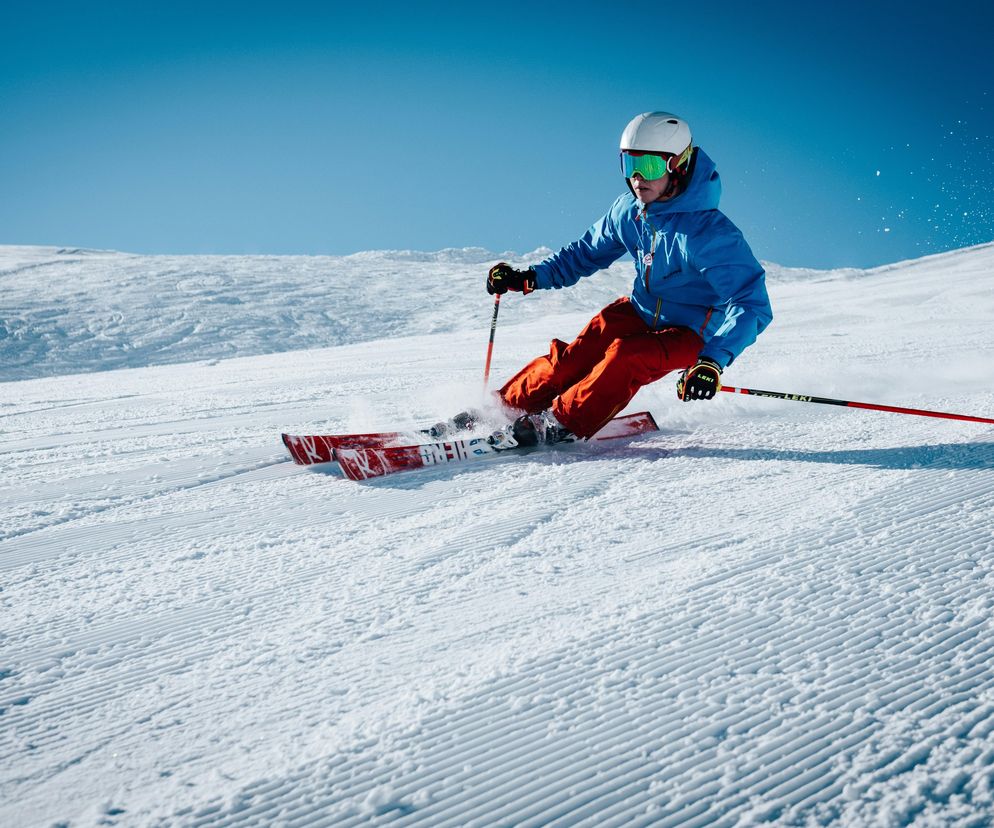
[
  {"x": 597, "y": 249},
  {"x": 739, "y": 279}
]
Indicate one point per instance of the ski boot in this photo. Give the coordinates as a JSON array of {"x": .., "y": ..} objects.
[
  {"x": 531, "y": 430},
  {"x": 463, "y": 421}
]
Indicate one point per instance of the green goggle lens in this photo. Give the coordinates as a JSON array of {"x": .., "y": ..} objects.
[{"x": 646, "y": 164}]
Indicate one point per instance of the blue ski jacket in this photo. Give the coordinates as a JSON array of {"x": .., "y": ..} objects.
[{"x": 693, "y": 268}]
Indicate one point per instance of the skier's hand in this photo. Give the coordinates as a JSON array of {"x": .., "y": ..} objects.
[
  {"x": 701, "y": 382},
  {"x": 503, "y": 277}
]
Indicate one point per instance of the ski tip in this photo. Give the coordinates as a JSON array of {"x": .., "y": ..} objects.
[
  {"x": 306, "y": 451},
  {"x": 288, "y": 443}
]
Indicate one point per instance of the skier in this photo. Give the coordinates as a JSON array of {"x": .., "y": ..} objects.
[{"x": 698, "y": 300}]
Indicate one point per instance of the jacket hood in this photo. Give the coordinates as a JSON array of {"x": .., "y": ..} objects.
[{"x": 703, "y": 190}]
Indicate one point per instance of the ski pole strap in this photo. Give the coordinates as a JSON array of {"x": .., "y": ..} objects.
[
  {"x": 490, "y": 347},
  {"x": 781, "y": 395}
]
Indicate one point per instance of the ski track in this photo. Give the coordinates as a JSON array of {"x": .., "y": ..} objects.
[
  {"x": 766, "y": 613},
  {"x": 804, "y": 708},
  {"x": 541, "y": 747}
]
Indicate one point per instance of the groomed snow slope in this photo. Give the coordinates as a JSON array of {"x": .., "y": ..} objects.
[{"x": 769, "y": 612}]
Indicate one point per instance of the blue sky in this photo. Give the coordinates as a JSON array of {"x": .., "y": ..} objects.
[{"x": 846, "y": 135}]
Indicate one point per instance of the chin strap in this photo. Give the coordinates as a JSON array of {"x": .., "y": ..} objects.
[{"x": 673, "y": 188}]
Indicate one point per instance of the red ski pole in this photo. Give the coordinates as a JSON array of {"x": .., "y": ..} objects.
[
  {"x": 490, "y": 347},
  {"x": 780, "y": 395}
]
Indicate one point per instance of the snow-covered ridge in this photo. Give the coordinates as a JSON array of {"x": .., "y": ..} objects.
[
  {"x": 980, "y": 253},
  {"x": 66, "y": 311},
  {"x": 449, "y": 255}
]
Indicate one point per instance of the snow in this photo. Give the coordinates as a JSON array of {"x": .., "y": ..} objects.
[{"x": 770, "y": 612}]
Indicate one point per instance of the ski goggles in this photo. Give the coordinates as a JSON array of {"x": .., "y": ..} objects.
[{"x": 651, "y": 165}]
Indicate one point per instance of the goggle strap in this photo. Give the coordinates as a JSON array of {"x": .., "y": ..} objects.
[{"x": 673, "y": 163}]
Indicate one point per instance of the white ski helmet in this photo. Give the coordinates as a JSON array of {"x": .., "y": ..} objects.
[{"x": 660, "y": 132}]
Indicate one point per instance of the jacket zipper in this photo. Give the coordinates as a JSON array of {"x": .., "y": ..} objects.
[
  {"x": 707, "y": 318},
  {"x": 648, "y": 267}
]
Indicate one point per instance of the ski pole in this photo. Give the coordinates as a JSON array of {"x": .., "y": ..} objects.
[
  {"x": 490, "y": 347},
  {"x": 781, "y": 395}
]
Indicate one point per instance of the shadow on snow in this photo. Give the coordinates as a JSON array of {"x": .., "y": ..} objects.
[{"x": 943, "y": 456}]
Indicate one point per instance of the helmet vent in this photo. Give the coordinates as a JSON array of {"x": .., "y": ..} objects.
[{"x": 672, "y": 121}]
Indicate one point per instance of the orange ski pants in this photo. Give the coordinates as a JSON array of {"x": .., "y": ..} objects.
[{"x": 590, "y": 380}]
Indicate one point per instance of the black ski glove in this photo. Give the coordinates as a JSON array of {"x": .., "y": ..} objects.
[
  {"x": 503, "y": 277},
  {"x": 701, "y": 382}
]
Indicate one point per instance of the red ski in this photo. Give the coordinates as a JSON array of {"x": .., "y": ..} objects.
[
  {"x": 309, "y": 449},
  {"x": 364, "y": 463},
  {"x": 306, "y": 450}
]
